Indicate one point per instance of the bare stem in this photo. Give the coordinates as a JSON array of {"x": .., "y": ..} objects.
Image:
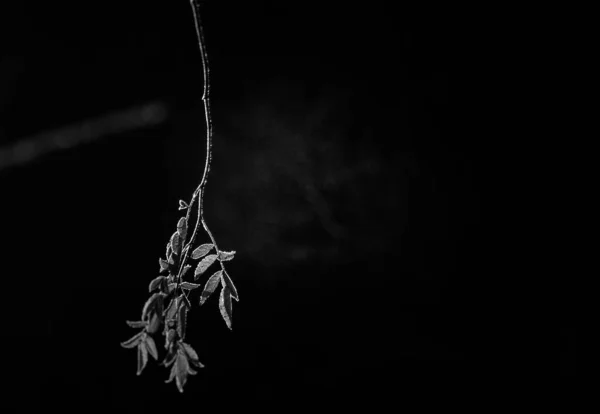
[
  {"x": 205, "y": 99},
  {"x": 199, "y": 192}
]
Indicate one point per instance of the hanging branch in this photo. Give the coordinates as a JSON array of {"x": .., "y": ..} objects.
[{"x": 169, "y": 302}]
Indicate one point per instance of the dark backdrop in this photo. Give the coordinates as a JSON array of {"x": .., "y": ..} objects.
[{"x": 348, "y": 174}]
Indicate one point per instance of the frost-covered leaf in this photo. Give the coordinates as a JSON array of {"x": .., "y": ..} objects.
[
  {"x": 189, "y": 286},
  {"x": 204, "y": 264},
  {"x": 151, "y": 303},
  {"x": 172, "y": 309},
  {"x": 133, "y": 341},
  {"x": 225, "y": 306},
  {"x": 227, "y": 282},
  {"x": 175, "y": 243},
  {"x": 151, "y": 347},
  {"x": 185, "y": 269},
  {"x": 137, "y": 324},
  {"x": 160, "y": 303},
  {"x": 191, "y": 353},
  {"x": 183, "y": 205},
  {"x": 169, "y": 359},
  {"x": 210, "y": 286},
  {"x": 174, "y": 263},
  {"x": 164, "y": 265},
  {"x": 190, "y": 370},
  {"x": 226, "y": 256},
  {"x": 202, "y": 250},
  {"x": 182, "y": 368},
  {"x": 142, "y": 357},
  {"x": 156, "y": 283},
  {"x": 187, "y": 357},
  {"x": 173, "y": 371},
  {"x": 182, "y": 228},
  {"x": 154, "y": 324},
  {"x": 169, "y": 250},
  {"x": 170, "y": 336},
  {"x": 182, "y": 321}
]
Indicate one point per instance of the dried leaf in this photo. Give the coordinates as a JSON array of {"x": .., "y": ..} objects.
[
  {"x": 137, "y": 324},
  {"x": 182, "y": 321},
  {"x": 151, "y": 346},
  {"x": 202, "y": 250},
  {"x": 171, "y": 287},
  {"x": 154, "y": 324},
  {"x": 185, "y": 269},
  {"x": 204, "y": 264},
  {"x": 188, "y": 285},
  {"x": 133, "y": 341},
  {"x": 183, "y": 205},
  {"x": 182, "y": 228},
  {"x": 226, "y": 256},
  {"x": 227, "y": 282},
  {"x": 142, "y": 357},
  {"x": 210, "y": 286},
  {"x": 164, "y": 265},
  {"x": 156, "y": 282},
  {"x": 225, "y": 306}
]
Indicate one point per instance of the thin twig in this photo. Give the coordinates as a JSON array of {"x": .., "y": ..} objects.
[{"x": 199, "y": 192}]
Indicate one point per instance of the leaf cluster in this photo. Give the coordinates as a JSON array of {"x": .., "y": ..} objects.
[{"x": 165, "y": 311}]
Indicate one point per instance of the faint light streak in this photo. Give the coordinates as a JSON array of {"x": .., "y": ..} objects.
[{"x": 30, "y": 148}]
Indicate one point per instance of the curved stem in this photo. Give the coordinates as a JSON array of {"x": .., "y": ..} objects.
[
  {"x": 205, "y": 99},
  {"x": 199, "y": 192}
]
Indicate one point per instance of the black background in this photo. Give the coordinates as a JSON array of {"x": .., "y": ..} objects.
[{"x": 349, "y": 172}]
